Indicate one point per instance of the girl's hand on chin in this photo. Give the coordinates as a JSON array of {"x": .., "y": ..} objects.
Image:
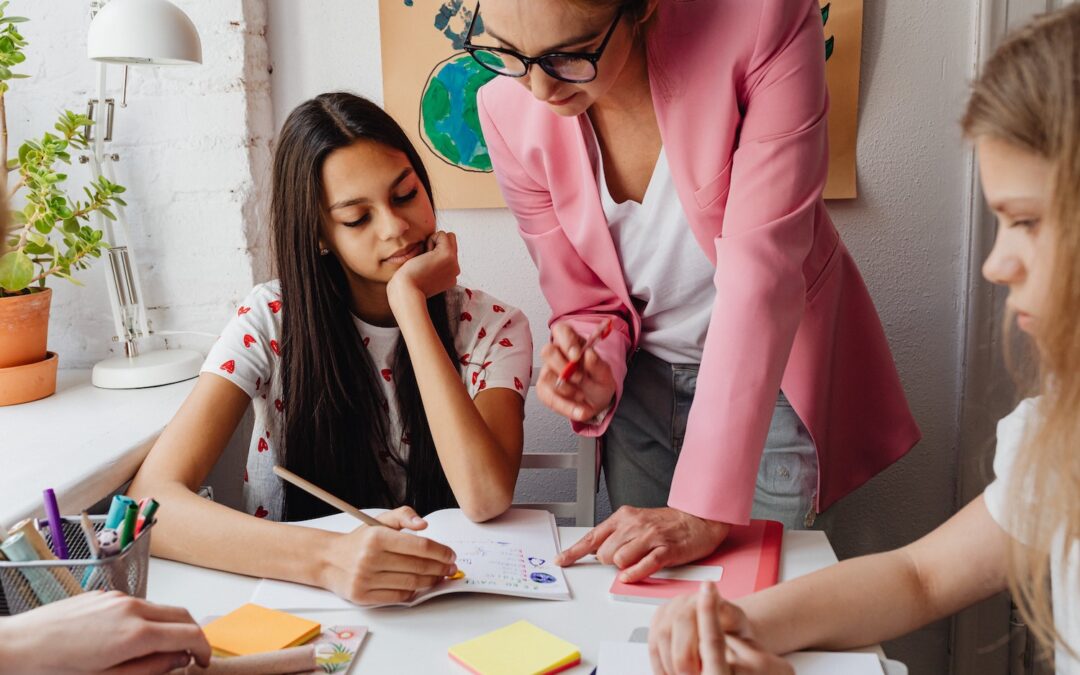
[{"x": 432, "y": 272}]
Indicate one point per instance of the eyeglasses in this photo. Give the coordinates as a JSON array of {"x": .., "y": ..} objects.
[{"x": 574, "y": 67}]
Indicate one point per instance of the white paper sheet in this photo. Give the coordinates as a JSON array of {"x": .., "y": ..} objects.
[
  {"x": 691, "y": 573},
  {"x": 632, "y": 658}
]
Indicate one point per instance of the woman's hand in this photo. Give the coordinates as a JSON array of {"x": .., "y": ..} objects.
[
  {"x": 375, "y": 565},
  {"x": 701, "y": 633},
  {"x": 588, "y": 391},
  {"x": 432, "y": 272},
  {"x": 97, "y": 632}
]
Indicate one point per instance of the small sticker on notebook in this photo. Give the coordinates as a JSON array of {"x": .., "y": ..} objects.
[{"x": 691, "y": 573}]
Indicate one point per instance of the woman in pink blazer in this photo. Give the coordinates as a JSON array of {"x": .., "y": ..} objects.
[{"x": 665, "y": 161}]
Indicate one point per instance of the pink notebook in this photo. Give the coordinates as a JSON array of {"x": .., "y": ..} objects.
[{"x": 747, "y": 561}]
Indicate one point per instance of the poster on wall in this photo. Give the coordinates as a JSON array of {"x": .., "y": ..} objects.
[
  {"x": 430, "y": 84},
  {"x": 843, "y": 53}
]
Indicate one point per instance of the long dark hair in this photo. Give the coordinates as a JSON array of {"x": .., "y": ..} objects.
[{"x": 335, "y": 417}]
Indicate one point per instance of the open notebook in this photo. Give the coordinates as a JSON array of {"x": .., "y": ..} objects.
[{"x": 510, "y": 555}]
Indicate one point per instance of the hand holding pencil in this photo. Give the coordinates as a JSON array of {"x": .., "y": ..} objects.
[{"x": 574, "y": 381}]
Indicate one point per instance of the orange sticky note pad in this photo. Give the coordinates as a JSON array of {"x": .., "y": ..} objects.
[
  {"x": 251, "y": 629},
  {"x": 518, "y": 649}
]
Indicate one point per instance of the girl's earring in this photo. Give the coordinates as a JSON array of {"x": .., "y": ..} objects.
[{"x": 324, "y": 251}]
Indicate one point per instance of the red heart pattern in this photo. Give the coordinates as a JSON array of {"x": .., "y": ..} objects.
[
  {"x": 249, "y": 340},
  {"x": 229, "y": 366},
  {"x": 275, "y": 348},
  {"x": 279, "y": 405},
  {"x": 468, "y": 292},
  {"x": 263, "y": 445},
  {"x": 261, "y": 512},
  {"x": 387, "y": 374},
  {"x": 498, "y": 309},
  {"x": 505, "y": 342},
  {"x": 367, "y": 341},
  {"x": 483, "y": 384},
  {"x": 482, "y": 334},
  {"x": 275, "y": 306},
  {"x": 475, "y": 376},
  {"x": 465, "y": 316},
  {"x": 242, "y": 310},
  {"x": 518, "y": 385},
  {"x": 464, "y": 359}
]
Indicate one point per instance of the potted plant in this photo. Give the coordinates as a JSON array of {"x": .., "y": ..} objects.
[{"x": 49, "y": 237}]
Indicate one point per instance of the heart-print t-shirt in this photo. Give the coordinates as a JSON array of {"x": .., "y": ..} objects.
[{"x": 494, "y": 350}]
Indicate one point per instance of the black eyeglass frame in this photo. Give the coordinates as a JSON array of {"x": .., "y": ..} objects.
[{"x": 591, "y": 57}]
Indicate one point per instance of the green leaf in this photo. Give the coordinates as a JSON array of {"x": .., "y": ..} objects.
[
  {"x": 71, "y": 225},
  {"x": 108, "y": 214},
  {"x": 43, "y": 226},
  {"x": 13, "y": 19},
  {"x": 13, "y": 163},
  {"x": 16, "y": 271},
  {"x": 38, "y": 249}
]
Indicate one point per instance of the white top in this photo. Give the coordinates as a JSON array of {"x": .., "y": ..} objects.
[
  {"x": 1064, "y": 572},
  {"x": 668, "y": 276},
  {"x": 494, "y": 348}
]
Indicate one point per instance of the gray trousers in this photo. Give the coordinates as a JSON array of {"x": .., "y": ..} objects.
[{"x": 642, "y": 445}]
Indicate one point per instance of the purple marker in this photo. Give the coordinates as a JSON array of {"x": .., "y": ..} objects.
[{"x": 52, "y": 512}]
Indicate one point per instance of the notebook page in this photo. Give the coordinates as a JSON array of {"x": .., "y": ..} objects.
[{"x": 513, "y": 554}]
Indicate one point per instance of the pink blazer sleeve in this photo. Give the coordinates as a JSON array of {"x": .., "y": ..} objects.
[
  {"x": 576, "y": 295},
  {"x": 777, "y": 176}
]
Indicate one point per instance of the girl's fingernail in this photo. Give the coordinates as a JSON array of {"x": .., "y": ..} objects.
[
  {"x": 577, "y": 413},
  {"x": 181, "y": 661},
  {"x": 417, "y": 520}
]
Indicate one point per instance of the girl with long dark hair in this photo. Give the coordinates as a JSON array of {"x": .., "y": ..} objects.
[{"x": 372, "y": 374}]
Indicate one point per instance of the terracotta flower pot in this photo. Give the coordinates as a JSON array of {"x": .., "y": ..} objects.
[
  {"x": 27, "y": 371},
  {"x": 24, "y": 328}
]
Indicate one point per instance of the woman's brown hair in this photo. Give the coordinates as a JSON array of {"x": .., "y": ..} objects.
[{"x": 1029, "y": 96}]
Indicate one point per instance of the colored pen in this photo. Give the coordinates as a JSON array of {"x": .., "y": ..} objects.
[
  {"x": 321, "y": 494},
  {"x": 117, "y": 509},
  {"x": 56, "y": 526},
  {"x": 147, "y": 508},
  {"x": 127, "y": 528},
  {"x": 601, "y": 332}
]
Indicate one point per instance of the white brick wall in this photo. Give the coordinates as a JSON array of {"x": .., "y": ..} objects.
[{"x": 194, "y": 149}]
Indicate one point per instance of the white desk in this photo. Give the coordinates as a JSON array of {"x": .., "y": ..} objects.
[
  {"x": 415, "y": 640},
  {"x": 82, "y": 441}
]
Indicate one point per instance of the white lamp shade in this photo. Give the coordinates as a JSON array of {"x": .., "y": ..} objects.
[{"x": 154, "y": 32}]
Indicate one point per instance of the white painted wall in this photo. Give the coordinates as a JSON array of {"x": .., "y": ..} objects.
[{"x": 194, "y": 144}]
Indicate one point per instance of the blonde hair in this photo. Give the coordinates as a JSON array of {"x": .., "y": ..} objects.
[{"x": 1029, "y": 96}]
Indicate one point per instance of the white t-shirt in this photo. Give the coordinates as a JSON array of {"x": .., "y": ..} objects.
[
  {"x": 668, "y": 276},
  {"x": 1064, "y": 572},
  {"x": 494, "y": 350}
]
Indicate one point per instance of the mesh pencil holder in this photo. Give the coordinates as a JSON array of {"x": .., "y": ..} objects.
[{"x": 26, "y": 585}]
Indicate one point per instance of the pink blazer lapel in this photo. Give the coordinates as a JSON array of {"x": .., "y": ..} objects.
[{"x": 577, "y": 204}]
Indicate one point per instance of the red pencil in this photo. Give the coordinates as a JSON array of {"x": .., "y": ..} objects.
[{"x": 602, "y": 331}]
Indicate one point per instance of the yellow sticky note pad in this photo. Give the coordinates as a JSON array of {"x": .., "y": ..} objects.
[
  {"x": 252, "y": 629},
  {"x": 518, "y": 649}
]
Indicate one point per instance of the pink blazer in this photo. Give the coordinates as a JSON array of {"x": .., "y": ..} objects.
[{"x": 740, "y": 96}]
